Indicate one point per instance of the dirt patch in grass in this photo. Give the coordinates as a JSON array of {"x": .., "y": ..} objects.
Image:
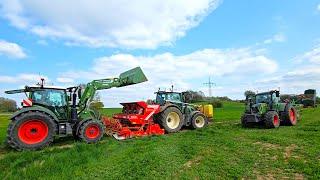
[
  {"x": 288, "y": 151},
  {"x": 195, "y": 161},
  {"x": 267, "y": 146},
  {"x": 298, "y": 176},
  {"x": 64, "y": 146}
]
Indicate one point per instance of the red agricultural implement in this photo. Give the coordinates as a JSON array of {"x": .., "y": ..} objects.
[{"x": 135, "y": 120}]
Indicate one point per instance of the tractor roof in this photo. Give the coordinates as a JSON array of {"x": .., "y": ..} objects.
[
  {"x": 32, "y": 88},
  {"x": 167, "y": 92},
  {"x": 268, "y": 92}
]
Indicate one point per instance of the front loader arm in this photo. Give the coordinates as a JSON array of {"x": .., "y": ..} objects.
[
  {"x": 133, "y": 76},
  {"x": 95, "y": 85}
]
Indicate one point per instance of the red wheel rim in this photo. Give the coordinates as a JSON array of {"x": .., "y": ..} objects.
[
  {"x": 275, "y": 120},
  {"x": 92, "y": 131},
  {"x": 33, "y": 131},
  {"x": 292, "y": 116}
]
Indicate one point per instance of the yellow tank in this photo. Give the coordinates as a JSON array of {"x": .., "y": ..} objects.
[{"x": 207, "y": 110}]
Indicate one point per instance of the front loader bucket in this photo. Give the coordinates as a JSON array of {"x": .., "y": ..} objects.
[{"x": 133, "y": 76}]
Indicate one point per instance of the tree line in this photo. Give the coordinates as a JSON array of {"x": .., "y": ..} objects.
[{"x": 7, "y": 105}]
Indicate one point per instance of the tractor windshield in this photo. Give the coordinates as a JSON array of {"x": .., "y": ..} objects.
[
  {"x": 49, "y": 97},
  {"x": 263, "y": 98},
  {"x": 169, "y": 97}
]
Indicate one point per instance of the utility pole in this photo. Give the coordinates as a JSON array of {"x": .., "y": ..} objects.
[{"x": 210, "y": 84}]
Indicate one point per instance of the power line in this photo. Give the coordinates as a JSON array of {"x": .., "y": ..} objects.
[{"x": 209, "y": 84}]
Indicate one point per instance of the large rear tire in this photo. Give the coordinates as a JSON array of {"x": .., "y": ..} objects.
[
  {"x": 91, "y": 131},
  {"x": 199, "y": 120},
  {"x": 170, "y": 119},
  {"x": 272, "y": 119},
  {"x": 290, "y": 115},
  {"x": 31, "y": 131}
]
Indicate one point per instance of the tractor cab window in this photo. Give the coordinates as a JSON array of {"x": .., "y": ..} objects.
[
  {"x": 263, "y": 98},
  {"x": 275, "y": 99},
  {"x": 171, "y": 97},
  {"x": 50, "y": 97},
  {"x": 168, "y": 97},
  {"x": 174, "y": 97}
]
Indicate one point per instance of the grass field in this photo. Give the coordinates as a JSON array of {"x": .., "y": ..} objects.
[{"x": 222, "y": 150}]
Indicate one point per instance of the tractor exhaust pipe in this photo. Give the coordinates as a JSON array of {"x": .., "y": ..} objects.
[{"x": 74, "y": 115}]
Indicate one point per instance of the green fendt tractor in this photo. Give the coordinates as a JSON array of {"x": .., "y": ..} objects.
[
  {"x": 266, "y": 108},
  {"x": 50, "y": 112},
  {"x": 175, "y": 112}
]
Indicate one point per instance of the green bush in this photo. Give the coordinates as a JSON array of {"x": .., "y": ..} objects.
[{"x": 216, "y": 103}]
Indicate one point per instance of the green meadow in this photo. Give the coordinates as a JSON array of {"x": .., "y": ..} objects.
[{"x": 222, "y": 150}]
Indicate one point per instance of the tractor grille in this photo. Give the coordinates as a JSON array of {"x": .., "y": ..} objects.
[{"x": 255, "y": 109}]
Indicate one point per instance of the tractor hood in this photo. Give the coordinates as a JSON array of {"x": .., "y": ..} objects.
[{"x": 260, "y": 108}]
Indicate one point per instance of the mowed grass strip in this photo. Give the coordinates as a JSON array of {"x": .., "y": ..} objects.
[{"x": 222, "y": 150}]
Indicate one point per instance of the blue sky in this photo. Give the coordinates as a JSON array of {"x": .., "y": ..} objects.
[{"x": 243, "y": 44}]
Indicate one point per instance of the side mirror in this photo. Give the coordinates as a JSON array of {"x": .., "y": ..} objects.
[{"x": 277, "y": 94}]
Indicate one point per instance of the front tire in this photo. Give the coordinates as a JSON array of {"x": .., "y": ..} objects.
[
  {"x": 272, "y": 119},
  {"x": 31, "y": 131},
  {"x": 91, "y": 131},
  {"x": 199, "y": 120},
  {"x": 290, "y": 116}
]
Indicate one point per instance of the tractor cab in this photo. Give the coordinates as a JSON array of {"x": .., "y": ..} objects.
[
  {"x": 267, "y": 97},
  {"x": 164, "y": 96},
  {"x": 52, "y": 98}
]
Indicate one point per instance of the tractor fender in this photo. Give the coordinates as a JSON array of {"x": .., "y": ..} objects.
[
  {"x": 35, "y": 108},
  {"x": 164, "y": 107},
  {"x": 194, "y": 113}
]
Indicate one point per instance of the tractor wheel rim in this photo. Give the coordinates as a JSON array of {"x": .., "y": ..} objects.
[
  {"x": 292, "y": 116},
  {"x": 173, "y": 120},
  {"x": 275, "y": 120},
  {"x": 92, "y": 131},
  {"x": 33, "y": 131},
  {"x": 199, "y": 121}
]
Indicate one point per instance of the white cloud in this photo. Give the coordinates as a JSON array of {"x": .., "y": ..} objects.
[
  {"x": 11, "y": 50},
  {"x": 65, "y": 80},
  {"x": 312, "y": 56},
  {"x": 99, "y": 23},
  {"x": 306, "y": 75},
  {"x": 184, "y": 71},
  {"x": 26, "y": 78},
  {"x": 200, "y": 63},
  {"x": 276, "y": 38}
]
